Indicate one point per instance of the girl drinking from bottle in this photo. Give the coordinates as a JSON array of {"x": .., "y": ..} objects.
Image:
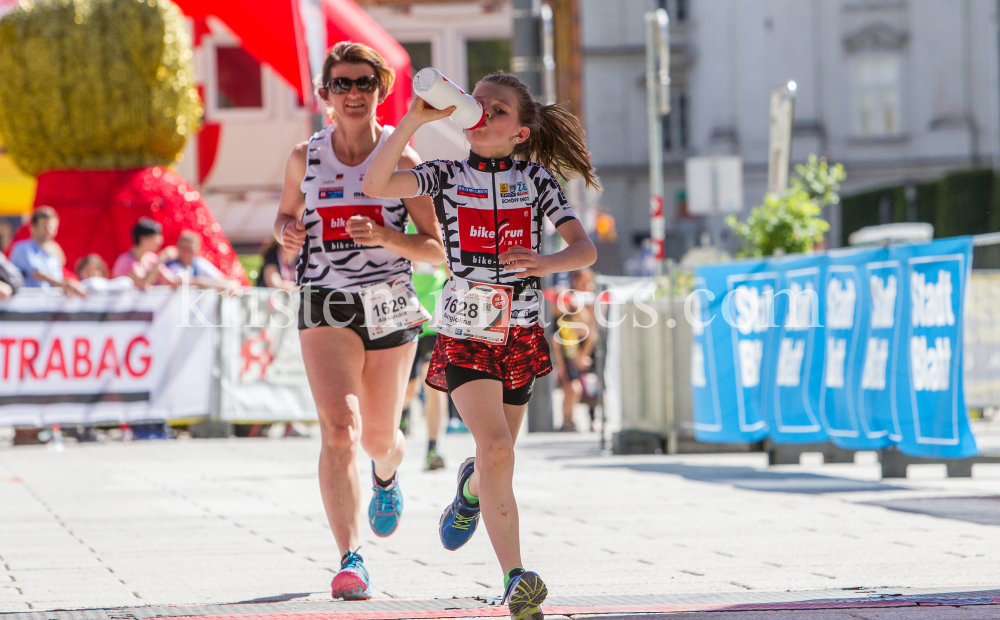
[{"x": 490, "y": 346}]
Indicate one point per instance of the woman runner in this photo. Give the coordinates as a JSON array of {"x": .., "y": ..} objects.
[
  {"x": 491, "y": 208},
  {"x": 354, "y": 274}
]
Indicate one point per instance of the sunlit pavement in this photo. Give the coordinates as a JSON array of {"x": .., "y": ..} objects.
[{"x": 131, "y": 530}]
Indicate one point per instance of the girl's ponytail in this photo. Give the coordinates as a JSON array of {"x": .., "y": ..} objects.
[{"x": 556, "y": 140}]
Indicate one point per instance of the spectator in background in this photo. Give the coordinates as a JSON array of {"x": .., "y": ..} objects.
[
  {"x": 93, "y": 274},
  {"x": 279, "y": 266},
  {"x": 278, "y": 271},
  {"x": 196, "y": 270},
  {"x": 40, "y": 258},
  {"x": 10, "y": 278},
  {"x": 142, "y": 263},
  {"x": 91, "y": 266},
  {"x": 6, "y": 233},
  {"x": 573, "y": 344}
]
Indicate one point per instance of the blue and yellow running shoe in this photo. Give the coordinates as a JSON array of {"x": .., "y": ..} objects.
[
  {"x": 524, "y": 595},
  {"x": 352, "y": 582},
  {"x": 386, "y": 506},
  {"x": 459, "y": 521}
]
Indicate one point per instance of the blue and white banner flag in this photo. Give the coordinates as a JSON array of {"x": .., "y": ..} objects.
[{"x": 861, "y": 347}]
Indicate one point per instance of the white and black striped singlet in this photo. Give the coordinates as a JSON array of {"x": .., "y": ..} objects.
[
  {"x": 330, "y": 259},
  {"x": 485, "y": 207}
]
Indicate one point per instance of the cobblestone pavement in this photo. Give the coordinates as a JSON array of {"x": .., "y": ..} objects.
[{"x": 205, "y": 522}]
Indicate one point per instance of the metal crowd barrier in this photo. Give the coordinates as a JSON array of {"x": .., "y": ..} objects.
[{"x": 646, "y": 371}]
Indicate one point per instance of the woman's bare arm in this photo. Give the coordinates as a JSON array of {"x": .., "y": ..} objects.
[{"x": 288, "y": 227}]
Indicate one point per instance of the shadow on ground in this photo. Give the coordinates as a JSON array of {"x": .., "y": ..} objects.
[
  {"x": 981, "y": 510},
  {"x": 281, "y": 598},
  {"x": 752, "y": 479}
]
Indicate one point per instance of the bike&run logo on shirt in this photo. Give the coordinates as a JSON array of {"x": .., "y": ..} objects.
[{"x": 481, "y": 243}]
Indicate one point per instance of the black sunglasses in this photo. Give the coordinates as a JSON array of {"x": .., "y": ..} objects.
[{"x": 342, "y": 85}]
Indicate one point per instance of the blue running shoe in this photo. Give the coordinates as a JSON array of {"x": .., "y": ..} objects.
[
  {"x": 352, "y": 582},
  {"x": 386, "y": 506},
  {"x": 524, "y": 595},
  {"x": 459, "y": 521}
]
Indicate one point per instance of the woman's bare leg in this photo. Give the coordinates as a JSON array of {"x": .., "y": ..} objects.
[
  {"x": 383, "y": 388},
  {"x": 334, "y": 358},
  {"x": 358, "y": 397}
]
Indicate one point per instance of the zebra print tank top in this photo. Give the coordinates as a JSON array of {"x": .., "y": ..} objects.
[{"x": 330, "y": 259}]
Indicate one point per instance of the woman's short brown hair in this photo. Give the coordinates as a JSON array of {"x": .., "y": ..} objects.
[{"x": 350, "y": 52}]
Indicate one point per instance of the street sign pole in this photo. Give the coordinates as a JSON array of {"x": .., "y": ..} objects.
[
  {"x": 657, "y": 106},
  {"x": 780, "y": 143},
  {"x": 532, "y": 62}
]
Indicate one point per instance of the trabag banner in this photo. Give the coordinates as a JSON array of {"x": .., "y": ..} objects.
[
  {"x": 119, "y": 357},
  {"x": 862, "y": 348}
]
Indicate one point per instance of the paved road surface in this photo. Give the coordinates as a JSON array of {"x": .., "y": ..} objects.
[{"x": 149, "y": 525}]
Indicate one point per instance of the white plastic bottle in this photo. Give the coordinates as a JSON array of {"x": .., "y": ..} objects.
[{"x": 439, "y": 92}]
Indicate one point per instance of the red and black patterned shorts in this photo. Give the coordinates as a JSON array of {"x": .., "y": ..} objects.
[{"x": 524, "y": 357}]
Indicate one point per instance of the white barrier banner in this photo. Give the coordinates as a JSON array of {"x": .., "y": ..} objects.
[
  {"x": 106, "y": 358},
  {"x": 982, "y": 341},
  {"x": 263, "y": 377}
]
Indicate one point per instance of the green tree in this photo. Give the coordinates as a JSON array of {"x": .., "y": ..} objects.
[
  {"x": 821, "y": 180},
  {"x": 791, "y": 222}
]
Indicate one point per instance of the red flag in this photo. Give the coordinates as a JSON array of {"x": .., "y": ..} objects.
[
  {"x": 271, "y": 31},
  {"x": 268, "y": 30}
]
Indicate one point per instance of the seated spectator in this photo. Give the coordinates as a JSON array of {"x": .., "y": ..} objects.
[
  {"x": 196, "y": 270},
  {"x": 7, "y": 229},
  {"x": 142, "y": 263},
  {"x": 91, "y": 266},
  {"x": 10, "y": 278},
  {"x": 40, "y": 258},
  {"x": 279, "y": 266},
  {"x": 93, "y": 274}
]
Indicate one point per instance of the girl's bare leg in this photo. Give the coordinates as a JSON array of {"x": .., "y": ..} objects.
[{"x": 494, "y": 426}]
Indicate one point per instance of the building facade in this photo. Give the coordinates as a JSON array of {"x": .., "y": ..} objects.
[
  {"x": 253, "y": 118},
  {"x": 899, "y": 91}
]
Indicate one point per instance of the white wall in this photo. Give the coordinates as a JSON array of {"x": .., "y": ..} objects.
[{"x": 447, "y": 25}]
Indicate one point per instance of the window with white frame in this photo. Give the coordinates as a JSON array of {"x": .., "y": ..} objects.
[
  {"x": 240, "y": 79},
  {"x": 485, "y": 56},
  {"x": 420, "y": 54},
  {"x": 877, "y": 78},
  {"x": 236, "y": 86}
]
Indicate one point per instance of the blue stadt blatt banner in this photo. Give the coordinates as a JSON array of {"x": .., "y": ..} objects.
[{"x": 859, "y": 347}]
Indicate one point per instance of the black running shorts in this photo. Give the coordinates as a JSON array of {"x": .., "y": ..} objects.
[
  {"x": 458, "y": 376},
  {"x": 324, "y": 307}
]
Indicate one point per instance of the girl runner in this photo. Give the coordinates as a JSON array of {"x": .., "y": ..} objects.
[
  {"x": 490, "y": 347},
  {"x": 359, "y": 318}
]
